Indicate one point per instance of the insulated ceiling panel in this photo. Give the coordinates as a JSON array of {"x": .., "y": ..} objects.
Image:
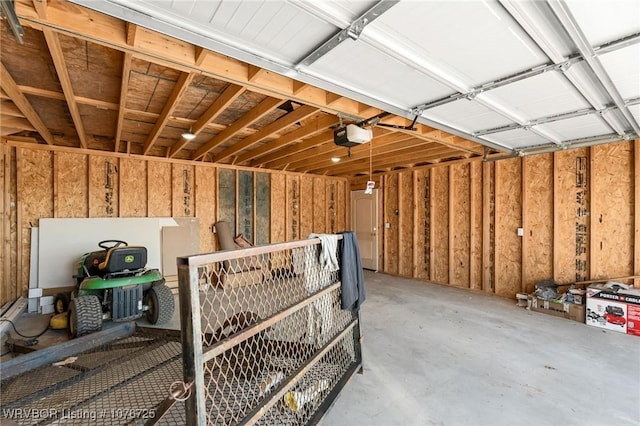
[
  {"x": 466, "y": 115},
  {"x": 577, "y": 127},
  {"x": 477, "y": 40},
  {"x": 622, "y": 66},
  {"x": 605, "y": 21},
  {"x": 541, "y": 96},
  {"x": 366, "y": 69},
  {"x": 518, "y": 138}
]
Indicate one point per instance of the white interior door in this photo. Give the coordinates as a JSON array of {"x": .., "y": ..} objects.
[{"x": 364, "y": 218}]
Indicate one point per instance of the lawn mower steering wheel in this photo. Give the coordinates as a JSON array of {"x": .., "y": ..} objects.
[{"x": 114, "y": 243}]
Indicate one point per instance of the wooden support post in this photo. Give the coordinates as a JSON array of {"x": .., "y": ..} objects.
[
  {"x": 416, "y": 243},
  {"x": 6, "y": 222},
  {"x": 592, "y": 209},
  {"x": 18, "y": 287},
  {"x": 472, "y": 226}
]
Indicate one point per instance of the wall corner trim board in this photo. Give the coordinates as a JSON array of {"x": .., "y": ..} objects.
[{"x": 579, "y": 211}]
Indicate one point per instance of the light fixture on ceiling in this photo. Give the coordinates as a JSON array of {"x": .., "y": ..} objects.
[
  {"x": 335, "y": 159},
  {"x": 189, "y": 135}
]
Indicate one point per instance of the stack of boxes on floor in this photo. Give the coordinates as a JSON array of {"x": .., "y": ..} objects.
[{"x": 612, "y": 305}]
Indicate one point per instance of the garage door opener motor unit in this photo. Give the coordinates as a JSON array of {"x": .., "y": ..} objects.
[{"x": 351, "y": 135}]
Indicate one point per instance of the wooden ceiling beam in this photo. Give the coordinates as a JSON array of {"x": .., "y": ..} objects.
[
  {"x": 41, "y": 8},
  {"x": 8, "y": 108},
  {"x": 181, "y": 86},
  {"x": 10, "y": 87},
  {"x": 222, "y": 102},
  {"x": 271, "y": 129},
  {"x": 124, "y": 88},
  {"x": 255, "y": 114},
  {"x": 310, "y": 129},
  {"x": 60, "y": 65},
  {"x": 18, "y": 123}
]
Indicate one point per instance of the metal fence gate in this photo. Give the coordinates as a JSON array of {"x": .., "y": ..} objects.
[{"x": 264, "y": 338}]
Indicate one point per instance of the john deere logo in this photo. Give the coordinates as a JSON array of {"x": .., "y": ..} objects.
[{"x": 128, "y": 259}]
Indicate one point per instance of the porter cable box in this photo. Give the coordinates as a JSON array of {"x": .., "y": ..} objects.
[
  {"x": 570, "y": 311},
  {"x": 614, "y": 309}
]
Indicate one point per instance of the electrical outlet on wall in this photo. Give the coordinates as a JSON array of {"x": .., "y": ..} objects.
[{"x": 387, "y": 225}]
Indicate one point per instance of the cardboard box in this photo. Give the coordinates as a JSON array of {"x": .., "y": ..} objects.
[
  {"x": 616, "y": 310},
  {"x": 570, "y": 311}
]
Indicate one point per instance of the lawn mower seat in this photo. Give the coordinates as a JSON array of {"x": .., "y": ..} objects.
[{"x": 126, "y": 258}]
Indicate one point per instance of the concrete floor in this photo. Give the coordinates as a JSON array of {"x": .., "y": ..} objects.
[{"x": 445, "y": 356}]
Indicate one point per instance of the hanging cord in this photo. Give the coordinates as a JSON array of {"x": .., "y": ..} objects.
[
  {"x": 371, "y": 158},
  {"x": 22, "y": 335}
]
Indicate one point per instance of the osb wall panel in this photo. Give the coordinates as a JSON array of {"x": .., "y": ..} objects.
[
  {"x": 538, "y": 225},
  {"x": 306, "y": 206},
  {"x": 245, "y": 204},
  {"x": 103, "y": 186},
  {"x": 475, "y": 256},
  {"x": 205, "y": 201},
  {"x": 564, "y": 254},
  {"x": 35, "y": 200},
  {"x": 330, "y": 209},
  {"x": 405, "y": 224},
  {"x": 421, "y": 245},
  {"x": 391, "y": 213},
  {"x": 278, "y": 208},
  {"x": 612, "y": 217},
  {"x": 133, "y": 188},
  {"x": 342, "y": 207},
  {"x": 159, "y": 189},
  {"x": 461, "y": 222},
  {"x": 319, "y": 211},
  {"x": 71, "y": 185},
  {"x": 182, "y": 196},
  {"x": 440, "y": 251},
  {"x": 508, "y": 250},
  {"x": 292, "y": 208}
]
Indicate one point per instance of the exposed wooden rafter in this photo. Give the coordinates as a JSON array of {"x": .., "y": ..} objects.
[
  {"x": 259, "y": 111},
  {"x": 65, "y": 81},
  {"x": 10, "y": 87}
]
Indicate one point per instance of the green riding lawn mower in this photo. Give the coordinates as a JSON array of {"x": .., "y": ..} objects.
[{"x": 113, "y": 284}]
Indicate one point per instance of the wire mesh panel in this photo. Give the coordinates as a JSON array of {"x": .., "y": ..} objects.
[
  {"x": 121, "y": 382},
  {"x": 264, "y": 337}
]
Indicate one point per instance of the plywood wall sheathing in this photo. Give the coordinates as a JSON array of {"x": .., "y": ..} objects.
[
  {"x": 475, "y": 239},
  {"x": 440, "y": 224},
  {"x": 292, "y": 208},
  {"x": 35, "y": 200},
  {"x": 421, "y": 219},
  {"x": 612, "y": 221},
  {"x": 488, "y": 227},
  {"x": 205, "y": 201},
  {"x": 460, "y": 214},
  {"x": 159, "y": 189},
  {"x": 537, "y": 262},
  {"x": 405, "y": 224},
  {"x": 103, "y": 186},
  {"x": 391, "y": 213},
  {"x": 71, "y": 185},
  {"x": 182, "y": 196},
  {"x": 508, "y": 250},
  {"x": 278, "y": 208},
  {"x": 564, "y": 249},
  {"x": 245, "y": 204},
  {"x": 306, "y": 205},
  {"x": 133, "y": 188},
  {"x": 343, "y": 206},
  {"x": 319, "y": 208}
]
